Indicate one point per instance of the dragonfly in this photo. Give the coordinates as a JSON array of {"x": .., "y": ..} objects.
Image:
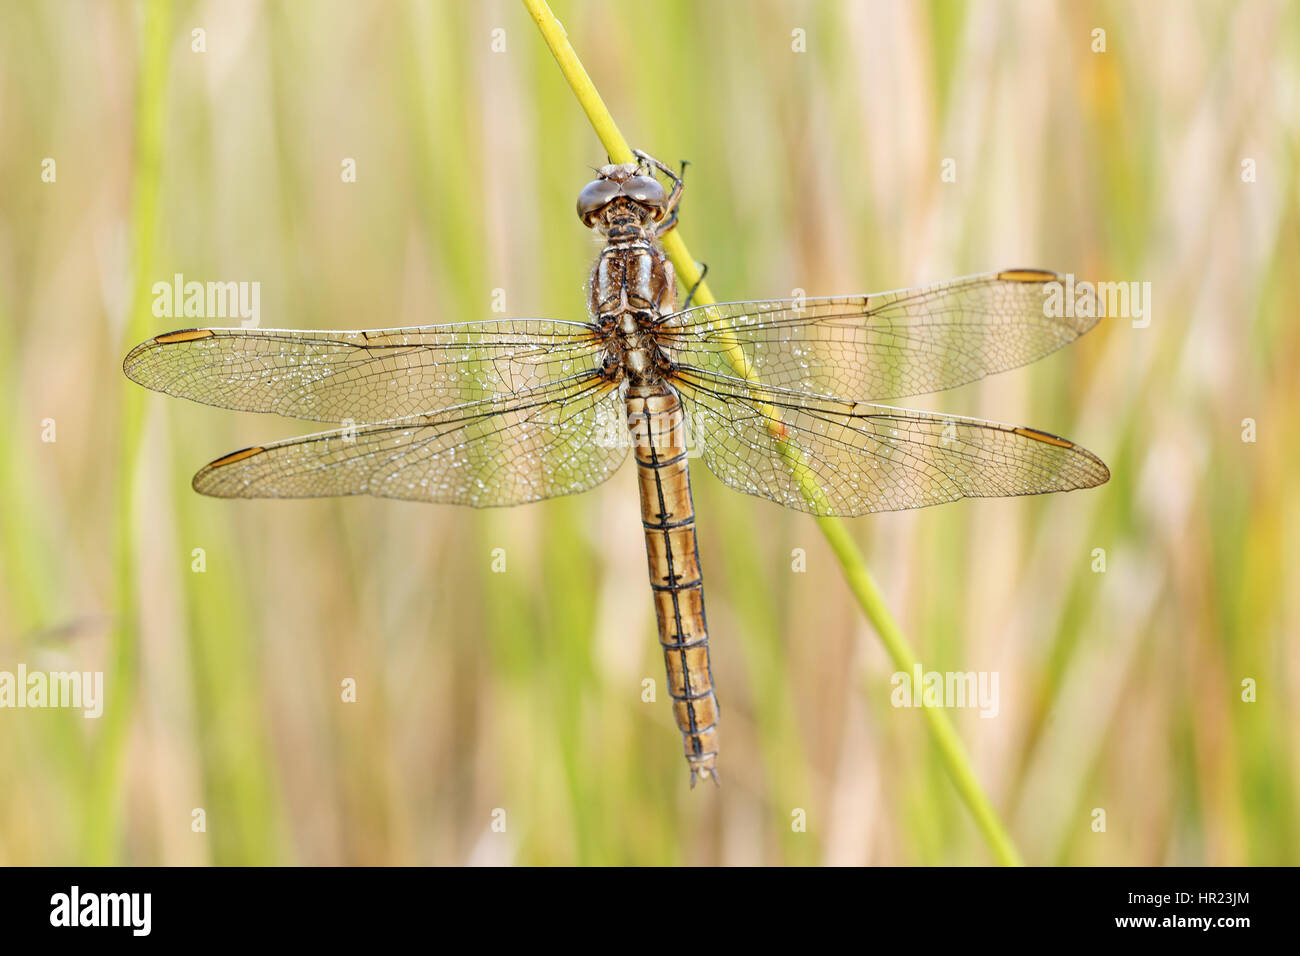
[{"x": 781, "y": 396}]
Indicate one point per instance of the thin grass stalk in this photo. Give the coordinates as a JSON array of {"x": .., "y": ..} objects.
[{"x": 104, "y": 829}]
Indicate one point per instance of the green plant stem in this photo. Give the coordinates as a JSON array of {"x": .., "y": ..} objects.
[
  {"x": 955, "y": 758},
  {"x": 105, "y": 804},
  {"x": 850, "y": 557}
]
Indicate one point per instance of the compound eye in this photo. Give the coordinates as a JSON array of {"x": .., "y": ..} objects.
[
  {"x": 648, "y": 192},
  {"x": 594, "y": 197}
]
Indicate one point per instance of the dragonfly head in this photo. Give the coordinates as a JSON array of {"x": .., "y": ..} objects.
[{"x": 623, "y": 181}]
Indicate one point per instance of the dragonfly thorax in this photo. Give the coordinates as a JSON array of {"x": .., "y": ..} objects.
[
  {"x": 632, "y": 351},
  {"x": 632, "y": 289}
]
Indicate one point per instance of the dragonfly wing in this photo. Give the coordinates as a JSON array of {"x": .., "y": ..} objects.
[
  {"x": 886, "y": 345},
  {"x": 865, "y": 458},
  {"x": 561, "y": 438},
  {"x": 361, "y": 376}
]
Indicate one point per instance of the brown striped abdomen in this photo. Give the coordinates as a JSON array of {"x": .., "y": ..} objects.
[{"x": 668, "y": 515}]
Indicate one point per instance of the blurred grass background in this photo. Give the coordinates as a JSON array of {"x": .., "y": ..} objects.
[{"x": 521, "y": 690}]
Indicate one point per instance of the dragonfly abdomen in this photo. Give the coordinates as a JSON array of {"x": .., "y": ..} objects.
[{"x": 668, "y": 516}]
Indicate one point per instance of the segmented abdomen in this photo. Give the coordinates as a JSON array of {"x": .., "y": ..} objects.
[{"x": 668, "y": 515}]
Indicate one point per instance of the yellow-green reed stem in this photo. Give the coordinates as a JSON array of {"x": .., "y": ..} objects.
[
  {"x": 104, "y": 827},
  {"x": 955, "y": 758},
  {"x": 846, "y": 551}
]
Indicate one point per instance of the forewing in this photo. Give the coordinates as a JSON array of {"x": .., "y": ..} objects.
[
  {"x": 886, "y": 345},
  {"x": 370, "y": 376},
  {"x": 557, "y": 439},
  {"x": 865, "y": 458}
]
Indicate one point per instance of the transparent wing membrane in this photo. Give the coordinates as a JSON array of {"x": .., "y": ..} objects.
[
  {"x": 363, "y": 376},
  {"x": 538, "y": 443},
  {"x": 867, "y": 458},
  {"x": 881, "y": 346}
]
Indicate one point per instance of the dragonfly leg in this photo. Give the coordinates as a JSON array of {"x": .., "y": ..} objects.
[
  {"x": 674, "y": 197},
  {"x": 704, "y": 270}
]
